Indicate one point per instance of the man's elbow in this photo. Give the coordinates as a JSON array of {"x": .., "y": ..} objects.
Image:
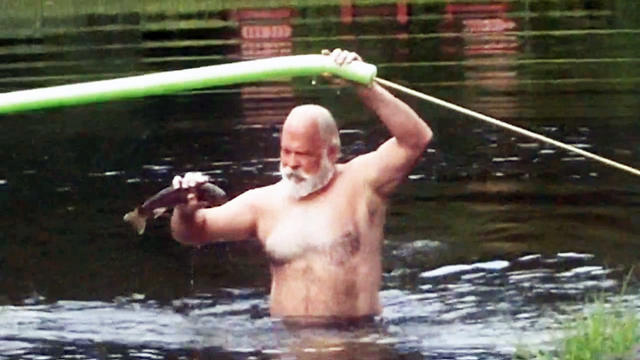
[
  {"x": 421, "y": 139},
  {"x": 425, "y": 137}
]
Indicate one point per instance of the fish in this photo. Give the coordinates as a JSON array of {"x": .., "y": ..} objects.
[{"x": 169, "y": 197}]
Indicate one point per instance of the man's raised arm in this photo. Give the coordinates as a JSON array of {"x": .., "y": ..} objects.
[{"x": 389, "y": 165}]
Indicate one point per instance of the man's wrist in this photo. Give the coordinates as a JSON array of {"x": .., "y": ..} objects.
[
  {"x": 372, "y": 94},
  {"x": 366, "y": 90}
]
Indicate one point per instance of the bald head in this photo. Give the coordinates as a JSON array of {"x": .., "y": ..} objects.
[{"x": 313, "y": 120}]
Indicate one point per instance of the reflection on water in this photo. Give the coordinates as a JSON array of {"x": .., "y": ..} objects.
[
  {"x": 266, "y": 33},
  {"x": 493, "y": 240},
  {"x": 455, "y": 311},
  {"x": 486, "y": 39}
]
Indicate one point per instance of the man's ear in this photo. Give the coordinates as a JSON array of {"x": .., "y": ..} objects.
[{"x": 333, "y": 153}]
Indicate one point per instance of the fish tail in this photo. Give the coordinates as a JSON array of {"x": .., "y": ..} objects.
[{"x": 137, "y": 220}]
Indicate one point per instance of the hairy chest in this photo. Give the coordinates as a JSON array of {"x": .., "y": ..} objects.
[
  {"x": 297, "y": 231},
  {"x": 343, "y": 221}
]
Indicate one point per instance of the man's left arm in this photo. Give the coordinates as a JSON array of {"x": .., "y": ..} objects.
[{"x": 386, "y": 167}]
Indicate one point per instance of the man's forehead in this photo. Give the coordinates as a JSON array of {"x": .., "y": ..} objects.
[
  {"x": 300, "y": 121},
  {"x": 301, "y": 135},
  {"x": 300, "y": 125}
]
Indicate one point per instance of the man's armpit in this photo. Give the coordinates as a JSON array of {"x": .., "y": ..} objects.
[{"x": 384, "y": 169}]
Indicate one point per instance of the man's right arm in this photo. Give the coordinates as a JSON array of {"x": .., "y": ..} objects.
[{"x": 234, "y": 220}]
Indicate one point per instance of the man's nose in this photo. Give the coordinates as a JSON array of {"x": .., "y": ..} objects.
[
  {"x": 294, "y": 162},
  {"x": 291, "y": 161}
]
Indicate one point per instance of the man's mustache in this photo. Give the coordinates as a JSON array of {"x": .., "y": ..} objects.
[{"x": 297, "y": 175}]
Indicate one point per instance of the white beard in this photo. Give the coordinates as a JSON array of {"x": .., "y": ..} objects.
[{"x": 299, "y": 184}]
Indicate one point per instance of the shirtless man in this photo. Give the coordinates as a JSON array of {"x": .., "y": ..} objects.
[{"x": 322, "y": 224}]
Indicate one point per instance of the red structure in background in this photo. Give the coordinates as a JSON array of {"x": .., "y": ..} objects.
[
  {"x": 483, "y": 39},
  {"x": 266, "y": 33},
  {"x": 348, "y": 11},
  {"x": 398, "y": 11},
  {"x": 482, "y": 27},
  {"x": 269, "y": 32}
]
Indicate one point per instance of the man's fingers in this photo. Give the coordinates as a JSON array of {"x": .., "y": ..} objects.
[
  {"x": 342, "y": 57},
  {"x": 192, "y": 179},
  {"x": 335, "y": 55},
  {"x": 176, "y": 182},
  {"x": 192, "y": 199},
  {"x": 353, "y": 57},
  {"x": 189, "y": 180}
]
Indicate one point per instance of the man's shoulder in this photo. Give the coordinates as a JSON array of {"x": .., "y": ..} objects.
[
  {"x": 364, "y": 171},
  {"x": 262, "y": 194},
  {"x": 357, "y": 162},
  {"x": 355, "y": 170}
]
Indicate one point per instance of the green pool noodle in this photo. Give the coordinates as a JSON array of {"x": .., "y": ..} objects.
[{"x": 180, "y": 80}]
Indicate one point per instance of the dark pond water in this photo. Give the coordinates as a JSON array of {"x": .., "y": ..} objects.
[{"x": 493, "y": 240}]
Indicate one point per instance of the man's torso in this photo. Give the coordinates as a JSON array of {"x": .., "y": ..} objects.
[{"x": 324, "y": 249}]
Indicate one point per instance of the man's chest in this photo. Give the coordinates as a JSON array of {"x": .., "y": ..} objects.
[{"x": 292, "y": 230}]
